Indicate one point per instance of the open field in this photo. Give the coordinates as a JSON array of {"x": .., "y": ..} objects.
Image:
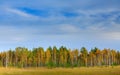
[{"x": 62, "y": 71}]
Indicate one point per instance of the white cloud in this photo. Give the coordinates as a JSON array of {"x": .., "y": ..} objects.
[
  {"x": 111, "y": 35},
  {"x": 69, "y": 28},
  {"x": 19, "y": 12},
  {"x": 96, "y": 28},
  {"x": 14, "y": 34},
  {"x": 97, "y": 11}
]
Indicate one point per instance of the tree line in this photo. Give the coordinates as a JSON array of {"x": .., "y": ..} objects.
[{"x": 62, "y": 57}]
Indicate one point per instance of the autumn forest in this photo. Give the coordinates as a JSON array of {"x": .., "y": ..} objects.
[{"x": 63, "y": 57}]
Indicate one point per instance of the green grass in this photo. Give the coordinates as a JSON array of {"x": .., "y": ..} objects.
[{"x": 62, "y": 71}]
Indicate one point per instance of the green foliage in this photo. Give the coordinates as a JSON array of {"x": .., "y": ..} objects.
[
  {"x": 114, "y": 64},
  {"x": 75, "y": 65},
  {"x": 103, "y": 63},
  {"x": 50, "y": 65},
  {"x": 19, "y": 65},
  {"x": 67, "y": 65}
]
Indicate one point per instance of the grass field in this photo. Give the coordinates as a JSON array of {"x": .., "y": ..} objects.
[{"x": 62, "y": 71}]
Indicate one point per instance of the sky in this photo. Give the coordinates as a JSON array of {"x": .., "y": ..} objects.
[{"x": 70, "y": 23}]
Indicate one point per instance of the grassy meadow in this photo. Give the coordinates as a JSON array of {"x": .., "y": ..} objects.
[{"x": 62, "y": 71}]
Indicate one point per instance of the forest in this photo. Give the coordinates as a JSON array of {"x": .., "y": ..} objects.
[{"x": 59, "y": 57}]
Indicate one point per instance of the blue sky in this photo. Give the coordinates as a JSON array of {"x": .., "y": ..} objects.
[{"x": 71, "y": 23}]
